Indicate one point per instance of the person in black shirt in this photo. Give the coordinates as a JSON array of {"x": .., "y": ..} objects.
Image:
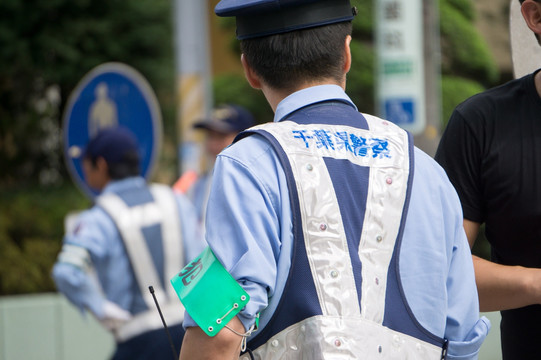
[{"x": 491, "y": 150}]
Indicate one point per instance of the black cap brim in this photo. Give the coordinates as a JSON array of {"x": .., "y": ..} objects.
[{"x": 269, "y": 21}]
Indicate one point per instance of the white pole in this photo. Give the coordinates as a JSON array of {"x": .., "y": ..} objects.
[{"x": 193, "y": 75}]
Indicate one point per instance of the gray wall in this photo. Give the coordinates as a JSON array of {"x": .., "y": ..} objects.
[{"x": 47, "y": 327}]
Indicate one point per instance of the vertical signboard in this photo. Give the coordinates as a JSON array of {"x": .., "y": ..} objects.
[{"x": 400, "y": 67}]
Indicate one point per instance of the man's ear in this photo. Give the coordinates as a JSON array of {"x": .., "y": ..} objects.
[
  {"x": 101, "y": 164},
  {"x": 250, "y": 74},
  {"x": 347, "y": 54},
  {"x": 531, "y": 11}
]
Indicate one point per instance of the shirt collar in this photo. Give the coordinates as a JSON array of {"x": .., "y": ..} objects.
[
  {"x": 310, "y": 96},
  {"x": 130, "y": 182}
]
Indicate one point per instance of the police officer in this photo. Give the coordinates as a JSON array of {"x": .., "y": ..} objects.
[
  {"x": 135, "y": 236},
  {"x": 343, "y": 251},
  {"x": 225, "y": 122}
]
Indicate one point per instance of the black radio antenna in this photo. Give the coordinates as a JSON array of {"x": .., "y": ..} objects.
[{"x": 175, "y": 355}]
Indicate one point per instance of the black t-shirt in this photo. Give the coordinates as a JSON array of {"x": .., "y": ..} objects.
[{"x": 491, "y": 151}]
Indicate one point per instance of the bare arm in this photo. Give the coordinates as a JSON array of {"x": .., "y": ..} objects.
[
  {"x": 503, "y": 287},
  {"x": 224, "y": 346}
]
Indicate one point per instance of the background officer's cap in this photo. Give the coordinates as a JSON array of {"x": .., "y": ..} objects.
[
  {"x": 227, "y": 119},
  {"x": 112, "y": 144},
  {"x": 257, "y": 18}
]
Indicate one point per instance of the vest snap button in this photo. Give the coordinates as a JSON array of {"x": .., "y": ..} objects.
[
  {"x": 389, "y": 181},
  {"x": 379, "y": 238},
  {"x": 309, "y": 167},
  {"x": 337, "y": 343},
  {"x": 275, "y": 343},
  {"x": 323, "y": 227},
  {"x": 334, "y": 274}
]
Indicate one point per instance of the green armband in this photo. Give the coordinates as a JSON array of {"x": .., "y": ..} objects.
[{"x": 209, "y": 293}]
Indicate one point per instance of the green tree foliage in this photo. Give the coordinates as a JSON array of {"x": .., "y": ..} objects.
[
  {"x": 31, "y": 230},
  {"x": 454, "y": 90},
  {"x": 464, "y": 52},
  {"x": 47, "y": 47}
]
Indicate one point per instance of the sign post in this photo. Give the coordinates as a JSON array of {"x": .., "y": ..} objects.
[{"x": 111, "y": 95}]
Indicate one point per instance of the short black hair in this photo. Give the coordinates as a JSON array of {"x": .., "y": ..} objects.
[
  {"x": 285, "y": 60},
  {"x": 128, "y": 165}
]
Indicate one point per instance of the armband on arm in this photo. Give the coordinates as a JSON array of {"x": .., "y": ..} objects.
[
  {"x": 76, "y": 256},
  {"x": 209, "y": 293}
]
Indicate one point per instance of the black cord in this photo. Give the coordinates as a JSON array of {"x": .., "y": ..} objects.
[
  {"x": 175, "y": 355},
  {"x": 249, "y": 353}
]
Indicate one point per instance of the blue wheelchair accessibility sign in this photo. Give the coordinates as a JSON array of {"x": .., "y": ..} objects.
[
  {"x": 111, "y": 95},
  {"x": 400, "y": 111}
]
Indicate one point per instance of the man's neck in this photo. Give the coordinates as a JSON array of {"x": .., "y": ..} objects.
[{"x": 274, "y": 97}]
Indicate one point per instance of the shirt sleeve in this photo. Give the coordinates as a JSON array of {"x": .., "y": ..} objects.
[
  {"x": 243, "y": 223},
  {"x": 435, "y": 255},
  {"x": 464, "y": 329},
  {"x": 87, "y": 243},
  {"x": 460, "y": 154}
]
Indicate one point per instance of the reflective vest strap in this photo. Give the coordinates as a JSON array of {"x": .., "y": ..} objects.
[
  {"x": 171, "y": 232},
  {"x": 129, "y": 222}
]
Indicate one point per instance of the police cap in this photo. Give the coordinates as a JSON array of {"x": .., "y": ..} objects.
[
  {"x": 227, "y": 119},
  {"x": 112, "y": 144},
  {"x": 257, "y": 18}
]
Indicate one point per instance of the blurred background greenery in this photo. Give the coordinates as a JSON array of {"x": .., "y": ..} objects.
[{"x": 47, "y": 46}]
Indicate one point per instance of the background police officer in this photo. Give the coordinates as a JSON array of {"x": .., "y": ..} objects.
[{"x": 135, "y": 236}]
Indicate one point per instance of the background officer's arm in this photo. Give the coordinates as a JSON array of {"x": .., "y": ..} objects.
[{"x": 224, "y": 346}]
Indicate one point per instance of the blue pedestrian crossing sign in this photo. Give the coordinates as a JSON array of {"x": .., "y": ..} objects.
[{"x": 111, "y": 95}]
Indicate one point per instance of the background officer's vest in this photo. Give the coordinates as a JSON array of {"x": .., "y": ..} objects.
[{"x": 149, "y": 223}]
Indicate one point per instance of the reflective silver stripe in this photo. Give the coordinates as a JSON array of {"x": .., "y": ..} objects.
[
  {"x": 75, "y": 255},
  {"x": 173, "y": 314},
  {"x": 329, "y": 337},
  {"x": 324, "y": 235},
  {"x": 171, "y": 233},
  {"x": 327, "y": 248},
  {"x": 129, "y": 221},
  {"x": 387, "y": 189}
]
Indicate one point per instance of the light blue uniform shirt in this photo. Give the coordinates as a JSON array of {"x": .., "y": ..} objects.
[
  {"x": 96, "y": 232},
  {"x": 249, "y": 228}
]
